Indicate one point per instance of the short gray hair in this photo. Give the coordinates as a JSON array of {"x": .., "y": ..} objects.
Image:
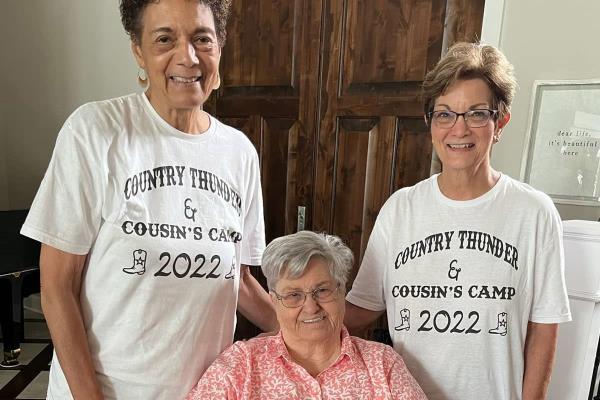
[
  {"x": 465, "y": 61},
  {"x": 289, "y": 255}
]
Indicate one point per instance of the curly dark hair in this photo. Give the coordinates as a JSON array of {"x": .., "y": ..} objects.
[{"x": 133, "y": 10}]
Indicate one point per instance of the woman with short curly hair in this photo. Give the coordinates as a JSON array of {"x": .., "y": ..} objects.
[{"x": 149, "y": 214}]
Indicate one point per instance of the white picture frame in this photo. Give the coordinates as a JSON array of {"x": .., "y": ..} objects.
[{"x": 561, "y": 156}]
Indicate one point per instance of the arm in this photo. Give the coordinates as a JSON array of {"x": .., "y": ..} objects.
[
  {"x": 255, "y": 303},
  {"x": 540, "y": 346},
  {"x": 60, "y": 275},
  {"x": 357, "y": 319}
]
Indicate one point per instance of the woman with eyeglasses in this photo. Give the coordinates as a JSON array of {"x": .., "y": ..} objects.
[
  {"x": 312, "y": 356},
  {"x": 468, "y": 263}
]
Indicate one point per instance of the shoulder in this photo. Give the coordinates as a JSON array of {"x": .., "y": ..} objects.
[
  {"x": 409, "y": 196},
  {"x": 105, "y": 110},
  {"x": 522, "y": 195},
  {"x": 234, "y": 137},
  {"x": 102, "y": 119},
  {"x": 250, "y": 349},
  {"x": 374, "y": 352}
]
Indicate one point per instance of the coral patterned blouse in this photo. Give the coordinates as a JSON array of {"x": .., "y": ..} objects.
[{"x": 262, "y": 369}]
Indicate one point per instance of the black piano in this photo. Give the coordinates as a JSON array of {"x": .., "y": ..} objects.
[{"x": 19, "y": 257}]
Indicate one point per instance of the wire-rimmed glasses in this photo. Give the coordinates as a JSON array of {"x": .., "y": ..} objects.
[{"x": 297, "y": 298}]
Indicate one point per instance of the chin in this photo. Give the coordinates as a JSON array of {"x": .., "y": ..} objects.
[{"x": 186, "y": 103}]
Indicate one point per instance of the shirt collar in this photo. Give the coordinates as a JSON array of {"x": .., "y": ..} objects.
[
  {"x": 347, "y": 345},
  {"x": 279, "y": 349}
]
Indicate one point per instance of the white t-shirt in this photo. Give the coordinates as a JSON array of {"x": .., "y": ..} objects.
[
  {"x": 460, "y": 280},
  {"x": 166, "y": 218}
]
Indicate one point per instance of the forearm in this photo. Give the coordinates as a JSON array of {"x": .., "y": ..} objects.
[
  {"x": 63, "y": 316},
  {"x": 60, "y": 287},
  {"x": 540, "y": 347},
  {"x": 358, "y": 319},
  {"x": 255, "y": 303}
]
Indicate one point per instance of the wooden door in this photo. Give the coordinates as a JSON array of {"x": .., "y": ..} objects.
[
  {"x": 372, "y": 139},
  {"x": 269, "y": 73},
  {"x": 329, "y": 93}
]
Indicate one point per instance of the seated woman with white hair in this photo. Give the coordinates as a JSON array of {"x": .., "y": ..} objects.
[{"x": 312, "y": 356}]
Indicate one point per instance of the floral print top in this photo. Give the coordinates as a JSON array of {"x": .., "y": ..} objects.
[{"x": 262, "y": 369}]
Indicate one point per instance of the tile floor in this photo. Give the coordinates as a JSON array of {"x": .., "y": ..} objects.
[{"x": 30, "y": 380}]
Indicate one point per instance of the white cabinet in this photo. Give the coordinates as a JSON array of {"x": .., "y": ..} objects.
[{"x": 578, "y": 339}]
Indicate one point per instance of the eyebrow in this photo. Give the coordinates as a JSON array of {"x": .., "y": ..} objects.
[
  {"x": 287, "y": 288},
  {"x": 166, "y": 29},
  {"x": 474, "y": 106}
]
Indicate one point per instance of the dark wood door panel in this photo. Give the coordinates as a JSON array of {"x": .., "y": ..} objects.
[
  {"x": 351, "y": 160},
  {"x": 279, "y": 173},
  {"x": 413, "y": 153},
  {"x": 388, "y": 46},
  {"x": 363, "y": 178},
  {"x": 261, "y": 45},
  {"x": 464, "y": 20}
]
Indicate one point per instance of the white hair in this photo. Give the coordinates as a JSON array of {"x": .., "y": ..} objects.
[{"x": 288, "y": 256}]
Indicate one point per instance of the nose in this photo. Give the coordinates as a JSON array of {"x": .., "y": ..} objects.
[
  {"x": 460, "y": 127},
  {"x": 186, "y": 53},
  {"x": 310, "y": 304}
]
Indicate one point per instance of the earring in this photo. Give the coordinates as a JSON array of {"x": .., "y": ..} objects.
[
  {"x": 142, "y": 77},
  {"x": 496, "y": 138}
]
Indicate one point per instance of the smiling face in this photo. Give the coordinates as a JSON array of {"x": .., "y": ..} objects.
[
  {"x": 179, "y": 51},
  {"x": 462, "y": 148},
  {"x": 313, "y": 322}
]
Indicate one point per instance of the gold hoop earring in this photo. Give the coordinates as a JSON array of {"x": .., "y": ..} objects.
[{"x": 142, "y": 80}]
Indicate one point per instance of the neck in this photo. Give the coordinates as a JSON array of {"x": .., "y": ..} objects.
[
  {"x": 467, "y": 185},
  {"x": 314, "y": 357},
  {"x": 193, "y": 121}
]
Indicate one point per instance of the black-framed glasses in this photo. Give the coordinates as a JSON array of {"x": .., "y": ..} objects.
[
  {"x": 446, "y": 119},
  {"x": 297, "y": 298}
]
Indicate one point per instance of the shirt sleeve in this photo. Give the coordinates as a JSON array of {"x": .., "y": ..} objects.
[
  {"x": 550, "y": 303},
  {"x": 402, "y": 384},
  {"x": 253, "y": 239},
  {"x": 67, "y": 210},
  {"x": 224, "y": 379},
  {"x": 367, "y": 289}
]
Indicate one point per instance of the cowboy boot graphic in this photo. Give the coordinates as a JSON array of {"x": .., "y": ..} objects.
[
  {"x": 404, "y": 320},
  {"x": 139, "y": 263},
  {"x": 231, "y": 273},
  {"x": 502, "y": 327}
]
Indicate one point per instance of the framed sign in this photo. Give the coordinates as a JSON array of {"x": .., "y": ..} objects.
[{"x": 562, "y": 150}]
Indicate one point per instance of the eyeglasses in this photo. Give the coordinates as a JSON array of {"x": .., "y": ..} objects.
[
  {"x": 298, "y": 298},
  {"x": 446, "y": 119}
]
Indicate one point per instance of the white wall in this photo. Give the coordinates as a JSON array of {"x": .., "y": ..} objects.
[
  {"x": 545, "y": 40},
  {"x": 55, "y": 56}
]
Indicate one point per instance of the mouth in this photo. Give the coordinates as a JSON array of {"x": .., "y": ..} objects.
[
  {"x": 185, "y": 79},
  {"x": 314, "y": 320},
  {"x": 461, "y": 146}
]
